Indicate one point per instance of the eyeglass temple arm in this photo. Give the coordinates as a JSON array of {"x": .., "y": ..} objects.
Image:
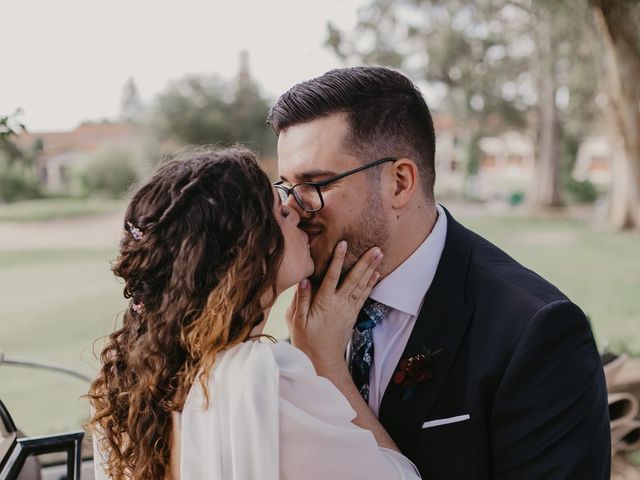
[{"x": 355, "y": 170}]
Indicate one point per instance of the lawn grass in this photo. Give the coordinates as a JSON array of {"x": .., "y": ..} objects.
[
  {"x": 55, "y": 303},
  {"x": 51, "y": 208}
]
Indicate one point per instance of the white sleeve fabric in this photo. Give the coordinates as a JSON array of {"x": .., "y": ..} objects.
[
  {"x": 98, "y": 457},
  {"x": 317, "y": 437},
  {"x": 236, "y": 437},
  {"x": 271, "y": 417}
]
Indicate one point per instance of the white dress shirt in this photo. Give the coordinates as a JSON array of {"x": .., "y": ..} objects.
[{"x": 403, "y": 290}]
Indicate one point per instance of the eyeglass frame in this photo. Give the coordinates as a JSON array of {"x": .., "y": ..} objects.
[{"x": 323, "y": 183}]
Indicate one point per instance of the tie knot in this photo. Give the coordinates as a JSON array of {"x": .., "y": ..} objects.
[{"x": 372, "y": 314}]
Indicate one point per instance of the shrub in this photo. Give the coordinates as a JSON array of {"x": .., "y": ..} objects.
[
  {"x": 15, "y": 185},
  {"x": 110, "y": 173},
  {"x": 581, "y": 191}
]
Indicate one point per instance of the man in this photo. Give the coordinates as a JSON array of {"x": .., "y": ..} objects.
[{"x": 477, "y": 367}]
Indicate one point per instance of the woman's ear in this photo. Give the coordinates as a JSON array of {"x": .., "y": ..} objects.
[{"x": 405, "y": 181}]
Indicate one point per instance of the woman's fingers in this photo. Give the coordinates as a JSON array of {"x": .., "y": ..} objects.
[
  {"x": 291, "y": 310},
  {"x": 361, "y": 273},
  {"x": 332, "y": 276},
  {"x": 361, "y": 294},
  {"x": 303, "y": 302}
]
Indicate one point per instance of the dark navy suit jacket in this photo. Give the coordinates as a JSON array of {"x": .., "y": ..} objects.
[{"x": 518, "y": 357}]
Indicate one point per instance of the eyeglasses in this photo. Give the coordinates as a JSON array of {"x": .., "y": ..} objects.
[{"x": 309, "y": 194}]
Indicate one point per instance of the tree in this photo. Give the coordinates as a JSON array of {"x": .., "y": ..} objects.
[
  {"x": 131, "y": 106},
  {"x": 504, "y": 60},
  {"x": 18, "y": 176},
  {"x": 9, "y": 127},
  {"x": 618, "y": 24},
  {"x": 207, "y": 110},
  {"x": 249, "y": 111},
  {"x": 565, "y": 73}
]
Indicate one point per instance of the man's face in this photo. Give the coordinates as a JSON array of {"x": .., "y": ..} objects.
[{"x": 353, "y": 208}]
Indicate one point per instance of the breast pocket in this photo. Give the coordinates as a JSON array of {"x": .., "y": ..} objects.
[
  {"x": 452, "y": 428},
  {"x": 453, "y": 449}
]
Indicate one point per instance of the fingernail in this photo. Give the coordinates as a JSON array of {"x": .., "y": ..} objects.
[
  {"x": 304, "y": 283},
  {"x": 342, "y": 246},
  {"x": 378, "y": 255}
]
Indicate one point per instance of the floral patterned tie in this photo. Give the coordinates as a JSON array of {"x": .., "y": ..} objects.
[{"x": 372, "y": 314}]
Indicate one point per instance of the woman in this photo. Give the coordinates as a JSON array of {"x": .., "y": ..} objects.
[{"x": 186, "y": 390}]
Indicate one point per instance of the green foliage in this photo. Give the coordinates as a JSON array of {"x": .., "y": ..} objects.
[
  {"x": 486, "y": 61},
  {"x": 18, "y": 177},
  {"x": 201, "y": 110},
  {"x": 10, "y": 126},
  {"x": 110, "y": 173},
  {"x": 581, "y": 191},
  {"x": 17, "y": 183}
]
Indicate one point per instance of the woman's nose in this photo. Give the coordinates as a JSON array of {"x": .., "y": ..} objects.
[{"x": 295, "y": 216}]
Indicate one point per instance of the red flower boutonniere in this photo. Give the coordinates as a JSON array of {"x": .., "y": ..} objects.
[{"x": 412, "y": 371}]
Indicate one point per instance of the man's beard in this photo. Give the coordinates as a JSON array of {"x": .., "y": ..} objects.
[{"x": 370, "y": 230}]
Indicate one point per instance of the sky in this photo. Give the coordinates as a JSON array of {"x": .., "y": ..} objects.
[{"x": 66, "y": 61}]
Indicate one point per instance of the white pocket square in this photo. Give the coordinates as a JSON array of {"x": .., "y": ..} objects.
[{"x": 445, "y": 421}]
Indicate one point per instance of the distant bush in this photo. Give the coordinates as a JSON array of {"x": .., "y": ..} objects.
[
  {"x": 17, "y": 185},
  {"x": 581, "y": 191},
  {"x": 110, "y": 173}
]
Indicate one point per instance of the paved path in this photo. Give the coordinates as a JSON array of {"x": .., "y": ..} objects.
[
  {"x": 98, "y": 231},
  {"x": 103, "y": 231}
]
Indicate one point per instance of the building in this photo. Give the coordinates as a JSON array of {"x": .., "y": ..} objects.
[
  {"x": 594, "y": 161},
  {"x": 62, "y": 151}
]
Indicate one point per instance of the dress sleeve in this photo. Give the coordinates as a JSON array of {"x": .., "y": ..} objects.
[
  {"x": 98, "y": 458},
  {"x": 235, "y": 437},
  {"x": 317, "y": 437}
]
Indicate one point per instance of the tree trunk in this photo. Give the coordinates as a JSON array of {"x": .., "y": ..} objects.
[
  {"x": 547, "y": 178},
  {"x": 621, "y": 37}
]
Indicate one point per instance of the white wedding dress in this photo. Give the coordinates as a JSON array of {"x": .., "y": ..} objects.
[{"x": 271, "y": 417}]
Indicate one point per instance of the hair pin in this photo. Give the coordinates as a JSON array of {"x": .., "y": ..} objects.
[{"x": 136, "y": 233}]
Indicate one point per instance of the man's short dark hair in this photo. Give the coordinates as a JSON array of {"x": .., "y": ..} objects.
[{"x": 387, "y": 113}]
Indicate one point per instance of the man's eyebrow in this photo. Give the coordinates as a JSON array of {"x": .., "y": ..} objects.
[{"x": 310, "y": 175}]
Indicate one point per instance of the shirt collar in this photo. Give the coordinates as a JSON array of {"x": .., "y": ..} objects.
[{"x": 404, "y": 289}]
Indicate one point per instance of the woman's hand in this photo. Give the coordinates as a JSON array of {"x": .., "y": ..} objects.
[{"x": 321, "y": 327}]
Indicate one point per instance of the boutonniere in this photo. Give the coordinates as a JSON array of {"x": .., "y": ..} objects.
[{"x": 412, "y": 371}]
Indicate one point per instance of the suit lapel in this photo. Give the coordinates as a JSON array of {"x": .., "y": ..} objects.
[{"x": 441, "y": 325}]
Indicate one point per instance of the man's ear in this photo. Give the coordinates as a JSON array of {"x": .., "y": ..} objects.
[{"x": 405, "y": 181}]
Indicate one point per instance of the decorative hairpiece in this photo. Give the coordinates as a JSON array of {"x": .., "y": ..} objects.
[
  {"x": 135, "y": 232},
  {"x": 138, "y": 307}
]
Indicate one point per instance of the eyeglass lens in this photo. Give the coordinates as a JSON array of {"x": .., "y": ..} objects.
[{"x": 308, "y": 196}]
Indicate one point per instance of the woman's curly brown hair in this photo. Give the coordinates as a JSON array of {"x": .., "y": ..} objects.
[{"x": 199, "y": 255}]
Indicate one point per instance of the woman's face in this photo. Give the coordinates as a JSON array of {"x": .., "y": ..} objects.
[{"x": 297, "y": 263}]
